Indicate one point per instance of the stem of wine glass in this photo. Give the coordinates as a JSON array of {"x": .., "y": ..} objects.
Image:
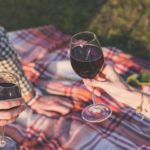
[
  {"x": 93, "y": 97},
  {"x": 2, "y": 141}
]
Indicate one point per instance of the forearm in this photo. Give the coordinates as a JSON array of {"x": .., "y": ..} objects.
[
  {"x": 146, "y": 105},
  {"x": 131, "y": 98},
  {"x": 134, "y": 99}
]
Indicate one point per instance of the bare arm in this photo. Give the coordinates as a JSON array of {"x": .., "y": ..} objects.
[{"x": 117, "y": 89}]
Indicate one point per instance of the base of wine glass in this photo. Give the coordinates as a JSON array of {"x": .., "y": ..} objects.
[
  {"x": 8, "y": 144},
  {"x": 96, "y": 113}
]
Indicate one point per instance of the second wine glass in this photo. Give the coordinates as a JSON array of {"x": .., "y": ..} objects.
[
  {"x": 87, "y": 60},
  {"x": 9, "y": 91}
]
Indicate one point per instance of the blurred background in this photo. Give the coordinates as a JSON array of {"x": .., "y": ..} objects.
[{"x": 121, "y": 23}]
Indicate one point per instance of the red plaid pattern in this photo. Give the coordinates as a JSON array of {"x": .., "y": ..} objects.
[{"x": 38, "y": 47}]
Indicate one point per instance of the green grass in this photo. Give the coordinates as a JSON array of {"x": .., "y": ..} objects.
[
  {"x": 71, "y": 16},
  {"x": 123, "y": 24}
]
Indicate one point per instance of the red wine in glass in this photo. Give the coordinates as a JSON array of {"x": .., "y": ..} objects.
[{"x": 87, "y": 60}]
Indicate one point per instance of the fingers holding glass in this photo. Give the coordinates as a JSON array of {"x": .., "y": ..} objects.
[
  {"x": 11, "y": 113},
  {"x": 87, "y": 60},
  {"x": 11, "y": 105}
]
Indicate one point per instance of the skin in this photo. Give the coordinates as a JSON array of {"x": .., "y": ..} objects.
[
  {"x": 109, "y": 81},
  {"x": 10, "y": 110},
  {"x": 47, "y": 104}
]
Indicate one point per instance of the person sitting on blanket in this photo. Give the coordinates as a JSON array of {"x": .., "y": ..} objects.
[
  {"x": 9, "y": 62},
  {"x": 109, "y": 81}
]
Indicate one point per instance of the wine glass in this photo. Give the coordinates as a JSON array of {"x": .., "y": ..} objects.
[
  {"x": 87, "y": 61},
  {"x": 9, "y": 90}
]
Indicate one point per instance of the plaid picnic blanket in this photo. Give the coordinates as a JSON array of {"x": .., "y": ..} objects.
[{"x": 42, "y": 50}]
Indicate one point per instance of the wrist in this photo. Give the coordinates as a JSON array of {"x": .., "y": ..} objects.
[
  {"x": 146, "y": 105},
  {"x": 143, "y": 108},
  {"x": 146, "y": 98},
  {"x": 138, "y": 97}
]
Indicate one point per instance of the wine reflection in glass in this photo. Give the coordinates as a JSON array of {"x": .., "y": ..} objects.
[{"x": 87, "y": 60}]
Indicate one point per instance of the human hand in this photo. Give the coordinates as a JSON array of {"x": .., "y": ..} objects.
[
  {"x": 10, "y": 110},
  {"x": 50, "y": 105},
  {"x": 111, "y": 82}
]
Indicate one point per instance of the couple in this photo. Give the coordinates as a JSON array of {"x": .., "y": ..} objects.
[{"x": 110, "y": 83}]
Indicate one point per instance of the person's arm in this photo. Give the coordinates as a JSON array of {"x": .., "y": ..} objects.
[
  {"x": 134, "y": 99},
  {"x": 131, "y": 98},
  {"x": 117, "y": 89}
]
